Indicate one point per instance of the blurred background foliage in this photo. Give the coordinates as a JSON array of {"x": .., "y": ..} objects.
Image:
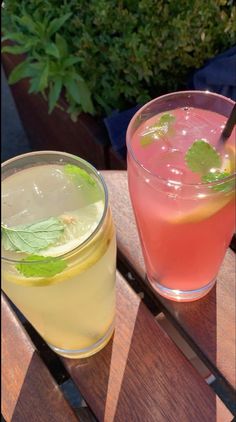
[{"x": 111, "y": 54}]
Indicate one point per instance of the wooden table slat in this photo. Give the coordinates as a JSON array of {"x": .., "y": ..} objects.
[
  {"x": 208, "y": 323},
  {"x": 141, "y": 375},
  {"x": 29, "y": 392}
]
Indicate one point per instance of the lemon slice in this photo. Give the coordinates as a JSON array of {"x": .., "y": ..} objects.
[
  {"x": 79, "y": 225},
  {"x": 228, "y": 164},
  {"x": 202, "y": 212}
]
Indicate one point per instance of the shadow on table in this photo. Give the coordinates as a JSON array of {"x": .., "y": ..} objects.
[{"x": 141, "y": 373}]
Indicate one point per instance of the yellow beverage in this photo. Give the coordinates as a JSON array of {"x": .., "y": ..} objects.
[{"x": 74, "y": 308}]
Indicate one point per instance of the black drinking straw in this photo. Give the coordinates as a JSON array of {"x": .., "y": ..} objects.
[{"x": 229, "y": 126}]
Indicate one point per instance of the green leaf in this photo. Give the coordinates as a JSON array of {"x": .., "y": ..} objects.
[
  {"x": 21, "y": 71},
  {"x": 52, "y": 50},
  {"x": 72, "y": 170},
  {"x": 214, "y": 177},
  {"x": 34, "y": 85},
  {"x": 61, "y": 45},
  {"x": 37, "y": 66},
  {"x": 73, "y": 89},
  {"x": 54, "y": 93},
  {"x": 57, "y": 23},
  {"x": 166, "y": 118},
  {"x": 14, "y": 36},
  {"x": 41, "y": 28},
  {"x": 85, "y": 95},
  {"x": 43, "y": 81},
  {"x": 158, "y": 130},
  {"x": 146, "y": 139},
  {"x": 40, "y": 266},
  {"x": 217, "y": 177},
  {"x": 31, "y": 238},
  {"x": 27, "y": 22},
  {"x": 70, "y": 61},
  {"x": 101, "y": 101},
  {"x": 80, "y": 93},
  {"x": 15, "y": 49},
  {"x": 82, "y": 179},
  {"x": 37, "y": 72},
  {"x": 201, "y": 157}
]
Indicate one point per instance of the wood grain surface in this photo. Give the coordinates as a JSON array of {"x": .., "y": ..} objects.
[
  {"x": 209, "y": 323},
  {"x": 29, "y": 393},
  {"x": 141, "y": 375}
]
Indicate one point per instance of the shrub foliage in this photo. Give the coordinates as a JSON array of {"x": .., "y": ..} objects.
[{"x": 110, "y": 54}]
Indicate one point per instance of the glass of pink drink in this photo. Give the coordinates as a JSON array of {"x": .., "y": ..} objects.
[{"x": 185, "y": 222}]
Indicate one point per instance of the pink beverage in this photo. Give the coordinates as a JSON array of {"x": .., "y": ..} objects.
[{"x": 185, "y": 219}]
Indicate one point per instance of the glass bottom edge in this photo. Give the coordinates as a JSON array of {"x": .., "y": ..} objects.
[
  {"x": 181, "y": 295},
  {"x": 87, "y": 351}
]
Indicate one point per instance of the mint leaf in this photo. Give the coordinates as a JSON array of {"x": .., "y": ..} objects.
[
  {"x": 201, "y": 157},
  {"x": 89, "y": 187},
  {"x": 40, "y": 266},
  {"x": 217, "y": 176},
  {"x": 166, "y": 118},
  {"x": 72, "y": 170},
  {"x": 158, "y": 130},
  {"x": 147, "y": 139},
  {"x": 31, "y": 238},
  {"x": 214, "y": 177}
]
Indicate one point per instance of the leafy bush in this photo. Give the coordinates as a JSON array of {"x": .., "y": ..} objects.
[{"x": 106, "y": 54}]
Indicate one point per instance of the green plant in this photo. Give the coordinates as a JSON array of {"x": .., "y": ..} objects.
[
  {"x": 49, "y": 64},
  {"x": 107, "y": 54}
]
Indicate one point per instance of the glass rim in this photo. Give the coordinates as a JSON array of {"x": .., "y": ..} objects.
[
  {"x": 156, "y": 176},
  {"x": 95, "y": 231}
]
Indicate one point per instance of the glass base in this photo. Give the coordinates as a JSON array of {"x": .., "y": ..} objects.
[
  {"x": 181, "y": 295},
  {"x": 87, "y": 351}
]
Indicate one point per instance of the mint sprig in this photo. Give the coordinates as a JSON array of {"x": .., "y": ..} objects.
[
  {"x": 40, "y": 266},
  {"x": 166, "y": 118},
  {"x": 147, "y": 139},
  {"x": 203, "y": 158},
  {"x": 160, "y": 129},
  {"x": 82, "y": 179},
  {"x": 31, "y": 238},
  {"x": 215, "y": 177},
  {"x": 219, "y": 176},
  {"x": 72, "y": 170}
]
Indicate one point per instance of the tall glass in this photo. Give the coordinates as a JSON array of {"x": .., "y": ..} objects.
[
  {"x": 66, "y": 289},
  {"x": 185, "y": 224}
]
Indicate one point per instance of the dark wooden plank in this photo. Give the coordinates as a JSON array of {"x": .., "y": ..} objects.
[
  {"x": 209, "y": 323},
  {"x": 29, "y": 392},
  {"x": 141, "y": 375}
]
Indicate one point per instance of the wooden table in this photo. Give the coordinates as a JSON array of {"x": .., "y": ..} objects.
[{"x": 143, "y": 374}]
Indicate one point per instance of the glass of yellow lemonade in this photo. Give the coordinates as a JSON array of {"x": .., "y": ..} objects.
[{"x": 59, "y": 250}]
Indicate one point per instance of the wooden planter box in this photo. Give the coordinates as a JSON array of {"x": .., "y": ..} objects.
[
  {"x": 86, "y": 138},
  {"x": 116, "y": 161}
]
